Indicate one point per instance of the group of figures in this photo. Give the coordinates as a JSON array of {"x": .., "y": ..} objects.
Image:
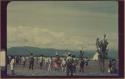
[{"x": 68, "y": 63}]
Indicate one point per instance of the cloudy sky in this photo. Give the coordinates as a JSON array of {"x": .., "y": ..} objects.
[{"x": 62, "y": 24}]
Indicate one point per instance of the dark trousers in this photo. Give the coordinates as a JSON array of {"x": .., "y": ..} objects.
[
  {"x": 31, "y": 65},
  {"x": 69, "y": 70},
  {"x": 82, "y": 67},
  {"x": 74, "y": 68},
  {"x": 41, "y": 64}
]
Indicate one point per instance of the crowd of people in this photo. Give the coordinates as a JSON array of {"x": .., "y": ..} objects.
[{"x": 68, "y": 64}]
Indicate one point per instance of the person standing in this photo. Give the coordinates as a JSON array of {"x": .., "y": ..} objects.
[
  {"x": 82, "y": 62},
  {"x": 12, "y": 63},
  {"x": 23, "y": 61},
  {"x": 63, "y": 65},
  {"x": 113, "y": 67},
  {"x": 41, "y": 61},
  {"x": 74, "y": 64},
  {"x": 46, "y": 62},
  {"x": 86, "y": 61},
  {"x": 20, "y": 60},
  {"x": 49, "y": 63},
  {"x": 17, "y": 60},
  {"x": 110, "y": 65},
  {"x": 69, "y": 65},
  {"x": 31, "y": 62}
]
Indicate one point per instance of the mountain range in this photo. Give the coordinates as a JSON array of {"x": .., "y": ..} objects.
[{"x": 26, "y": 50}]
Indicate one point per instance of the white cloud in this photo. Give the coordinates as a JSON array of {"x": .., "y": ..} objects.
[
  {"x": 47, "y": 38},
  {"x": 33, "y": 35}
]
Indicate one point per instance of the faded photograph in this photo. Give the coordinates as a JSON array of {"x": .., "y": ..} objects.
[{"x": 62, "y": 38}]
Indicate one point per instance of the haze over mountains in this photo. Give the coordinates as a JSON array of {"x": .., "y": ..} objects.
[{"x": 26, "y": 50}]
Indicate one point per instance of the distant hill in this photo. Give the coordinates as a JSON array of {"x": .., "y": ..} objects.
[{"x": 26, "y": 50}]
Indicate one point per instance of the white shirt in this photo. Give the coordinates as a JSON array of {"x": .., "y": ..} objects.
[
  {"x": 46, "y": 60},
  {"x": 40, "y": 59},
  {"x": 12, "y": 64},
  {"x": 12, "y": 61},
  {"x": 68, "y": 58},
  {"x": 63, "y": 61},
  {"x": 23, "y": 58}
]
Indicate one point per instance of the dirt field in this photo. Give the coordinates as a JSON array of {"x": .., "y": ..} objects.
[{"x": 91, "y": 70}]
